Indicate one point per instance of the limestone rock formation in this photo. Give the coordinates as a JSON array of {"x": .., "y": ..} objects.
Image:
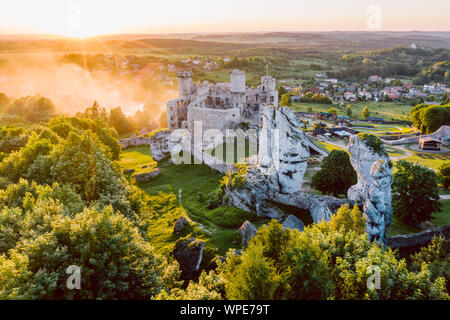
[
  {"x": 284, "y": 148},
  {"x": 247, "y": 231},
  {"x": 147, "y": 176},
  {"x": 189, "y": 254},
  {"x": 373, "y": 190},
  {"x": 261, "y": 195},
  {"x": 273, "y": 187},
  {"x": 292, "y": 222},
  {"x": 180, "y": 225}
]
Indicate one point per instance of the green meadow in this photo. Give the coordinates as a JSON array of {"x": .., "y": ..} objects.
[{"x": 184, "y": 190}]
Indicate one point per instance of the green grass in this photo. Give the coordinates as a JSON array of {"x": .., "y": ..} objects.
[
  {"x": 327, "y": 146},
  {"x": 430, "y": 163},
  {"x": 398, "y": 227},
  {"x": 442, "y": 218},
  {"x": 438, "y": 219},
  {"x": 184, "y": 190},
  {"x": 135, "y": 158},
  {"x": 387, "y": 110},
  {"x": 394, "y": 152}
]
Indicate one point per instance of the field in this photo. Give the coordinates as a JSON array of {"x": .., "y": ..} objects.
[
  {"x": 429, "y": 160},
  {"x": 185, "y": 190},
  {"x": 388, "y": 110}
]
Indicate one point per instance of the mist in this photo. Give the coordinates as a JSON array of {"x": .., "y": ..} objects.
[{"x": 73, "y": 88}]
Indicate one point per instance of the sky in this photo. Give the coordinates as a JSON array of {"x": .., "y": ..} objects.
[{"x": 82, "y": 18}]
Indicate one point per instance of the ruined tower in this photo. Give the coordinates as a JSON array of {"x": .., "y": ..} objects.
[
  {"x": 238, "y": 88},
  {"x": 185, "y": 85},
  {"x": 269, "y": 89}
]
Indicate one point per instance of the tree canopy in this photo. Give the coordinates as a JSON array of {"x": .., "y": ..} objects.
[
  {"x": 336, "y": 174},
  {"x": 415, "y": 193}
]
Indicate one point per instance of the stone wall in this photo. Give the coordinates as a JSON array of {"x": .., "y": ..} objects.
[
  {"x": 418, "y": 239},
  {"x": 212, "y": 118},
  {"x": 134, "y": 141}
]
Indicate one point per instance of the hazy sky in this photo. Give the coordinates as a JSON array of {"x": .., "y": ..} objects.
[{"x": 92, "y": 17}]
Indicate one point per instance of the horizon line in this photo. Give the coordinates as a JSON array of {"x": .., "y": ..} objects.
[{"x": 224, "y": 32}]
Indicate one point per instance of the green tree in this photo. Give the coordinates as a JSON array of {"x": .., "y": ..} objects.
[
  {"x": 428, "y": 119},
  {"x": 329, "y": 260},
  {"x": 348, "y": 219},
  {"x": 286, "y": 100},
  {"x": 444, "y": 174},
  {"x": 415, "y": 193},
  {"x": 336, "y": 174},
  {"x": 365, "y": 113},
  {"x": 114, "y": 260},
  {"x": 80, "y": 162},
  {"x": 4, "y": 102},
  {"x": 348, "y": 110},
  {"x": 119, "y": 121},
  {"x": 332, "y": 110}
]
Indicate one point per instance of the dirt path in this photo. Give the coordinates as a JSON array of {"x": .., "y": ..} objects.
[{"x": 407, "y": 154}]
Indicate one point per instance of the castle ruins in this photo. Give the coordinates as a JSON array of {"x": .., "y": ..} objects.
[{"x": 218, "y": 104}]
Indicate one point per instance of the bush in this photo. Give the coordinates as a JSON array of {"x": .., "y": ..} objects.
[
  {"x": 444, "y": 174},
  {"x": 323, "y": 262},
  {"x": 374, "y": 143}
]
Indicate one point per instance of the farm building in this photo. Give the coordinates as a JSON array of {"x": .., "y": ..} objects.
[
  {"x": 430, "y": 143},
  {"x": 375, "y": 120}
]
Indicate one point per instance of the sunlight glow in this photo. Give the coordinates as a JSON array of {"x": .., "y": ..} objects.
[{"x": 87, "y": 18}]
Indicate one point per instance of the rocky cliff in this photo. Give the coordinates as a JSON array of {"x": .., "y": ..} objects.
[
  {"x": 283, "y": 148},
  {"x": 273, "y": 188},
  {"x": 373, "y": 190}
]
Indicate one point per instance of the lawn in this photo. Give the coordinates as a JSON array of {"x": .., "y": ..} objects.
[
  {"x": 388, "y": 110},
  {"x": 442, "y": 218},
  {"x": 184, "y": 190},
  {"x": 438, "y": 219},
  {"x": 136, "y": 158},
  {"x": 430, "y": 160},
  {"x": 398, "y": 227},
  {"x": 327, "y": 146}
]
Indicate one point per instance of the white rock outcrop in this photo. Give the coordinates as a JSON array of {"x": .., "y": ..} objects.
[
  {"x": 273, "y": 188},
  {"x": 373, "y": 190},
  {"x": 283, "y": 148},
  {"x": 292, "y": 222}
]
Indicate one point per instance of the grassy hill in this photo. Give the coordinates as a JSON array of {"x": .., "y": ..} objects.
[{"x": 184, "y": 190}]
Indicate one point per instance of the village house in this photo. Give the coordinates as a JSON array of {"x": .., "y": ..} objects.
[
  {"x": 349, "y": 96},
  {"x": 374, "y": 79}
]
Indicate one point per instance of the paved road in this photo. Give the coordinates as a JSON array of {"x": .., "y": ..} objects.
[{"x": 445, "y": 197}]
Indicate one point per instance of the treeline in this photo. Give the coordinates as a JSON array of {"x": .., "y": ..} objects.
[
  {"x": 398, "y": 61},
  {"x": 148, "y": 118},
  {"x": 31, "y": 108},
  {"x": 36, "y": 109},
  {"x": 438, "y": 72}
]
